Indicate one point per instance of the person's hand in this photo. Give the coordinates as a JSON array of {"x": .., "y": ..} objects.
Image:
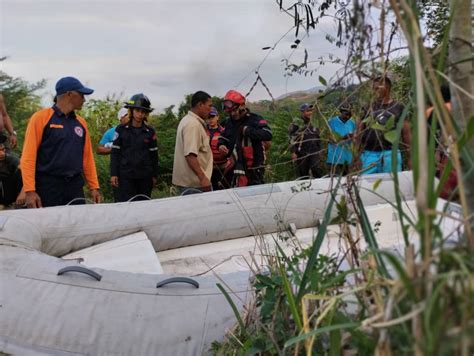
[
  {"x": 20, "y": 199},
  {"x": 205, "y": 184},
  {"x": 294, "y": 157},
  {"x": 114, "y": 181},
  {"x": 223, "y": 149},
  {"x": 33, "y": 200},
  {"x": 154, "y": 181},
  {"x": 13, "y": 141},
  {"x": 96, "y": 197}
]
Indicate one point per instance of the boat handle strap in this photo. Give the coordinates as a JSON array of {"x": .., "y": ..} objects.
[
  {"x": 80, "y": 269},
  {"x": 177, "y": 280}
]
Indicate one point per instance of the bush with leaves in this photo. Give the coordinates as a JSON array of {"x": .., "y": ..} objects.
[{"x": 21, "y": 101}]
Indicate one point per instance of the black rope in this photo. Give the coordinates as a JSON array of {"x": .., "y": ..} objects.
[{"x": 259, "y": 79}]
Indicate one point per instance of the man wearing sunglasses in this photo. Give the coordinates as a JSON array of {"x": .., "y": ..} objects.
[
  {"x": 57, "y": 154},
  {"x": 243, "y": 141}
]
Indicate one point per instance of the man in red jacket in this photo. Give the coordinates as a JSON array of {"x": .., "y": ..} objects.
[
  {"x": 219, "y": 159},
  {"x": 243, "y": 141}
]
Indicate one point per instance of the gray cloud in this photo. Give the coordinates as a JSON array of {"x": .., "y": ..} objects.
[{"x": 165, "y": 48}]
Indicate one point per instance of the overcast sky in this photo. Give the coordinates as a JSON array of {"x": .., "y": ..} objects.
[{"x": 164, "y": 48}]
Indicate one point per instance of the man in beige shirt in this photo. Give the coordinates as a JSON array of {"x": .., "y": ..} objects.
[{"x": 192, "y": 167}]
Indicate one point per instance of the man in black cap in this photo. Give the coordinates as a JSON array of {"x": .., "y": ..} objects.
[
  {"x": 305, "y": 144},
  {"x": 10, "y": 177},
  {"x": 57, "y": 154}
]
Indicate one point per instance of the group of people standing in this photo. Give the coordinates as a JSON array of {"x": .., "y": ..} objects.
[
  {"x": 207, "y": 156},
  {"x": 367, "y": 136},
  {"x": 211, "y": 157},
  {"x": 58, "y": 159}
]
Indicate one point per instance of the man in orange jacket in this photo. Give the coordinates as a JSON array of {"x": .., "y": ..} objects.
[{"x": 57, "y": 154}]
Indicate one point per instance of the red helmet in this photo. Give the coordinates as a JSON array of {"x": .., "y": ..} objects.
[{"x": 235, "y": 97}]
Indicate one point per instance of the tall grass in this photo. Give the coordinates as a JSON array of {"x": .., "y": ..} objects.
[{"x": 420, "y": 302}]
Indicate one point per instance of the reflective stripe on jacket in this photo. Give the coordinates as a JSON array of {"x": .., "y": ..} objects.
[
  {"x": 134, "y": 152},
  {"x": 57, "y": 145}
]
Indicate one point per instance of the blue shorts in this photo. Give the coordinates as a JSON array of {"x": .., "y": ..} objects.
[{"x": 379, "y": 161}]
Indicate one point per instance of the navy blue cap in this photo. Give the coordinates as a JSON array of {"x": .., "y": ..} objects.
[
  {"x": 305, "y": 107},
  {"x": 71, "y": 84},
  {"x": 213, "y": 112}
]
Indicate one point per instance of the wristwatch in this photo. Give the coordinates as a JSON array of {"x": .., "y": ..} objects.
[{"x": 13, "y": 133}]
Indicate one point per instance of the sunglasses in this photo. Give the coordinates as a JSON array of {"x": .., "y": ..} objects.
[{"x": 229, "y": 106}]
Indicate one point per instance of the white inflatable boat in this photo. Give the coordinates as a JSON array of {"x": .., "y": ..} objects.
[{"x": 140, "y": 278}]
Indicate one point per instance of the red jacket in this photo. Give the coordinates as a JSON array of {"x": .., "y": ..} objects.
[{"x": 218, "y": 157}]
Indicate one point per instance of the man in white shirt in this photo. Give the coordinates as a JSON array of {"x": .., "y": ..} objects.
[{"x": 192, "y": 167}]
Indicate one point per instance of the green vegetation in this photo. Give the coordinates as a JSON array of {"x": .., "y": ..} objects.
[
  {"x": 100, "y": 114},
  {"x": 384, "y": 304},
  {"x": 419, "y": 303},
  {"x": 21, "y": 100}
]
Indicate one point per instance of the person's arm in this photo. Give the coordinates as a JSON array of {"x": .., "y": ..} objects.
[
  {"x": 33, "y": 137},
  {"x": 88, "y": 164},
  {"x": 293, "y": 138},
  {"x": 193, "y": 163},
  {"x": 223, "y": 142},
  {"x": 21, "y": 198},
  {"x": 192, "y": 144},
  {"x": 14, "y": 167},
  {"x": 261, "y": 131},
  {"x": 7, "y": 123},
  {"x": 115, "y": 158},
  {"x": 357, "y": 144},
  {"x": 103, "y": 150},
  {"x": 105, "y": 143},
  {"x": 333, "y": 137},
  {"x": 406, "y": 139},
  {"x": 153, "y": 149}
]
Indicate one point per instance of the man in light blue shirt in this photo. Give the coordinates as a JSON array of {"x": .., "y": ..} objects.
[
  {"x": 339, "y": 151},
  {"x": 105, "y": 143}
]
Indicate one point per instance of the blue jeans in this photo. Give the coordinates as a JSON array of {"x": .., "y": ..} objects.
[{"x": 379, "y": 161}]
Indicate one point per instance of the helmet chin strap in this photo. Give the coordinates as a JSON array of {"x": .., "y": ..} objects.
[{"x": 239, "y": 112}]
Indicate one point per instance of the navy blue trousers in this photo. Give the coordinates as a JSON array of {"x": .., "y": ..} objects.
[{"x": 54, "y": 190}]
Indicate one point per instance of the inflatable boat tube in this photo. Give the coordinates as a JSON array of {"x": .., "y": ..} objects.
[{"x": 50, "y": 305}]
